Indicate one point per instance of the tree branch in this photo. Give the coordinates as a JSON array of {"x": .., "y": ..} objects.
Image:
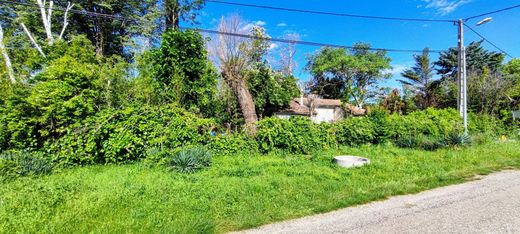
[
  {"x": 65, "y": 20},
  {"x": 32, "y": 39},
  {"x": 7, "y": 60}
]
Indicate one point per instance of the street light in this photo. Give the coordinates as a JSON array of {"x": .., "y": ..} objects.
[
  {"x": 462, "y": 98},
  {"x": 485, "y": 21}
]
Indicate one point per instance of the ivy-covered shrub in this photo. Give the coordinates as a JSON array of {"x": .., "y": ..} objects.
[
  {"x": 115, "y": 136},
  {"x": 297, "y": 135},
  {"x": 356, "y": 131},
  {"x": 430, "y": 122},
  {"x": 230, "y": 144},
  {"x": 485, "y": 124},
  {"x": 15, "y": 164}
]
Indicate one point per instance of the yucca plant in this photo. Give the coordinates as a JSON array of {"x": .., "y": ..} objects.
[
  {"x": 458, "y": 140},
  {"x": 191, "y": 160}
]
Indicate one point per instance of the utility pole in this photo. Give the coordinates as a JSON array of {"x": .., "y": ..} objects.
[{"x": 462, "y": 97}]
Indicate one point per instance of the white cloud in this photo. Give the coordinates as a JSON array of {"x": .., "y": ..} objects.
[
  {"x": 260, "y": 23},
  {"x": 273, "y": 46},
  {"x": 249, "y": 26},
  {"x": 397, "y": 69},
  {"x": 444, "y": 7},
  {"x": 281, "y": 25}
]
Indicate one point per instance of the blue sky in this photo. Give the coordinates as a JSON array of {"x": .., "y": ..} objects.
[{"x": 504, "y": 30}]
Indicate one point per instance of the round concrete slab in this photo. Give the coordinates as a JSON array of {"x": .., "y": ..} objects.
[{"x": 351, "y": 161}]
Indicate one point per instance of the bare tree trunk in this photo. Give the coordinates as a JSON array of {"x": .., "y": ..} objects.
[
  {"x": 7, "y": 60},
  {"x": 172, "y": 14},
  {"x": 47, "y": 19},
  {"x": 247, "y": 105}
]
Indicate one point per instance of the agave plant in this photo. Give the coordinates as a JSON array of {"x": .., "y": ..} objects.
[
  {"x": 458, "y": 139},
  {"x": 191, "y": 160}
]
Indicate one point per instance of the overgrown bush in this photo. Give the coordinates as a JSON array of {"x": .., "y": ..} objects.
[
  {"x": 190, "y": 160},
  {"x": 230, "y": 144},
  {"x": 297, "y": 135},
  {"x": 430, "y": 122},
  {"x": 355, "y": 131},
  {"x": 115, "y": 136},
  {"x": 14, "y": 164}
]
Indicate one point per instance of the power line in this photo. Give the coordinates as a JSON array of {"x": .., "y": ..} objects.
[
  {"x": 94, "y": 14},
  {"x": 493, "y": 12},
  {"x": 331, "y": 13},
  {"x": 488, "y": 41},
  {"x": 303, "y": 42},
  {"x": 82, "y": 12},
  {"x": 308, "y": 43}
]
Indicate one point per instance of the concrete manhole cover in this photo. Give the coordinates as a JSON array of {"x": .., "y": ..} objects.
[{"x": 351, "y": 161}]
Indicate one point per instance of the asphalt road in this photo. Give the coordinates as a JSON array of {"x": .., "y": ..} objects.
[{"x": 489, "y": 205}]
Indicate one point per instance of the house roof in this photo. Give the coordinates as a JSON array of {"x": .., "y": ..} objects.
[
  {"x": 297, "y": 109},
  {"x": 320, "y": 102}
]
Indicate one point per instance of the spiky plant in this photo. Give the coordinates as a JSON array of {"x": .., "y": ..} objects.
[{"x": 191, "y": 160}]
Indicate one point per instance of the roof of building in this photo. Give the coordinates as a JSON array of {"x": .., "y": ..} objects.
[
  {"x": 320, "y": 102},
  {"x": 296, "y": 109}
]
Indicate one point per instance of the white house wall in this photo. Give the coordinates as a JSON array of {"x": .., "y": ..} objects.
[{"x": 324, "y": 115}]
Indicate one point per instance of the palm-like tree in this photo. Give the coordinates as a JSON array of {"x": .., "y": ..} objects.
[{"x": 420, "y": 79}]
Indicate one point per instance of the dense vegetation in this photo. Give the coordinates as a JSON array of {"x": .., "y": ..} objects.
[{"x": 191, "y": 117}]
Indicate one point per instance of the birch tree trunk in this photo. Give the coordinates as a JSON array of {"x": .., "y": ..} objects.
[{"x": 7, "y": 60}]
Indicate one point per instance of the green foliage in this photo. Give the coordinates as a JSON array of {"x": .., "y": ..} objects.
[
  {"x": 184, "y": 73},
  {"x": 14, "y": 164},
  {"x": 116, "y": 136},
  {"x": 191, "y": 160},
  {"x": 232, "y": 144},
  {"x": 356, "y": 131},
  {"x": 72, "y": 85},
  {"x": 349, "y": 75},
  {"x": 430, "y": 122},
  {"x": 271, "y": 90},
  {"x": 297, "y": 135}
]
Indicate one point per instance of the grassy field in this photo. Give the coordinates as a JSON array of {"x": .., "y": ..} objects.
[{"x": 236, "y": 193}]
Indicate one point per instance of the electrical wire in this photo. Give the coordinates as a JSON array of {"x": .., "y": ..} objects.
[
  {"x": 303, "y": 42},
  {"x": 331, "y": 13},
  {"x": 488, "y": 41},
  {"x": 492, "y": 12},
  {"x": 94, "y": 14}
]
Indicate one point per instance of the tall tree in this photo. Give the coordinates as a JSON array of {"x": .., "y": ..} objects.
[
  {"x": 175, "y": 10},
  {"x": 234, "y": 58},
  {"x": 184, "y": 71},
  {"x": 477, "y": 58},
  {"x": 347, "y": 74},
  {"x": 419, "y": 78}
]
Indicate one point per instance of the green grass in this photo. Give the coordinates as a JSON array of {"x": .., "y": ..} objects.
[{"x": 235, "y": 193}]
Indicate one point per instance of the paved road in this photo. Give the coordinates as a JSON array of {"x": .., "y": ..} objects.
[{"x": 489, "y": 205}]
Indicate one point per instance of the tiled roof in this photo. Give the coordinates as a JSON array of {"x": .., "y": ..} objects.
[
  {"x": 297, "y": 109},
  {"x": 320, "y": 102}
]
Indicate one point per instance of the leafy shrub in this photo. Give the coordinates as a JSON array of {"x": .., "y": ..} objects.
[
  {"x": 23, "y": 163},
  {"x": 230, "y": 144},
  {"x": 430, "y": 122},
  {"x": 123, "y": 135},
  {"x": 381, "y": 121},
  {"x": 297, "y": 135},
  {"x": 355, "y": 131},
  {"x": 191, "y": 160},
  {"x": 485, "y": 124}
]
